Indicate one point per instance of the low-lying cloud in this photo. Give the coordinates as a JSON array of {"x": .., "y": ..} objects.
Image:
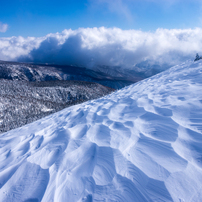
[{"x": 91, "y": 47}]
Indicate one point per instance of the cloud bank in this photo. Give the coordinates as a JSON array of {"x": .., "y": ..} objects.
[
  {"x": 91, "y": 47},
  {"x": 3, "y": 27}
]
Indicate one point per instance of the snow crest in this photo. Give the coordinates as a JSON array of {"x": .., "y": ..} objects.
[{"x": 141, "y": 143}]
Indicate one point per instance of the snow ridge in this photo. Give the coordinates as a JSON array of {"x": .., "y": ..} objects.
[{"x": 141, "y": 143}]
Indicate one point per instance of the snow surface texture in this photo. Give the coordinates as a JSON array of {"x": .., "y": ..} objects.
[{"x": 141, "y": 143}]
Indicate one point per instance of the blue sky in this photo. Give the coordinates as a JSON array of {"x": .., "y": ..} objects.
[{"x": 40, "y": 17}]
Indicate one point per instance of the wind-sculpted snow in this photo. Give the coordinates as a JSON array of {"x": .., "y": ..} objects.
[{"x": 141, "y": 143}]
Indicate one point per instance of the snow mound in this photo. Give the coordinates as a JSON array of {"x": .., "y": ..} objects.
[{"x": 141, "y": 143}]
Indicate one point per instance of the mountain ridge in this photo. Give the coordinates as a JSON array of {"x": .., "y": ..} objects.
[{"x": 45, "y": 72}]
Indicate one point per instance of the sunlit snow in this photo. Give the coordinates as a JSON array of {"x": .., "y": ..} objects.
[{"x": 141, "y": 143}]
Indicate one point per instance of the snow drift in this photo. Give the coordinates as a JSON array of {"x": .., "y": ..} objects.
[{"x": 141, "y": 143}]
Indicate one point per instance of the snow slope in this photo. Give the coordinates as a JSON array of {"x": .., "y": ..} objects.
[{"x": 141, "y": 143}]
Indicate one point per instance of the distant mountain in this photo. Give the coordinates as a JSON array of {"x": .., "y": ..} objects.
[
  {"x": 140, "y": 71},
  {"x": 113, "y": 77}
]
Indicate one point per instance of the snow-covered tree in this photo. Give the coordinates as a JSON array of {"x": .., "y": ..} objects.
[{"x": 197, "y": 57}]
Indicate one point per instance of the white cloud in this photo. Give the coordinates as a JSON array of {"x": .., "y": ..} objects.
[
  {"x": 3, "y": 27},
  {"x": 13, "y": 47},
  {"x": 106, "y": 46}
]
